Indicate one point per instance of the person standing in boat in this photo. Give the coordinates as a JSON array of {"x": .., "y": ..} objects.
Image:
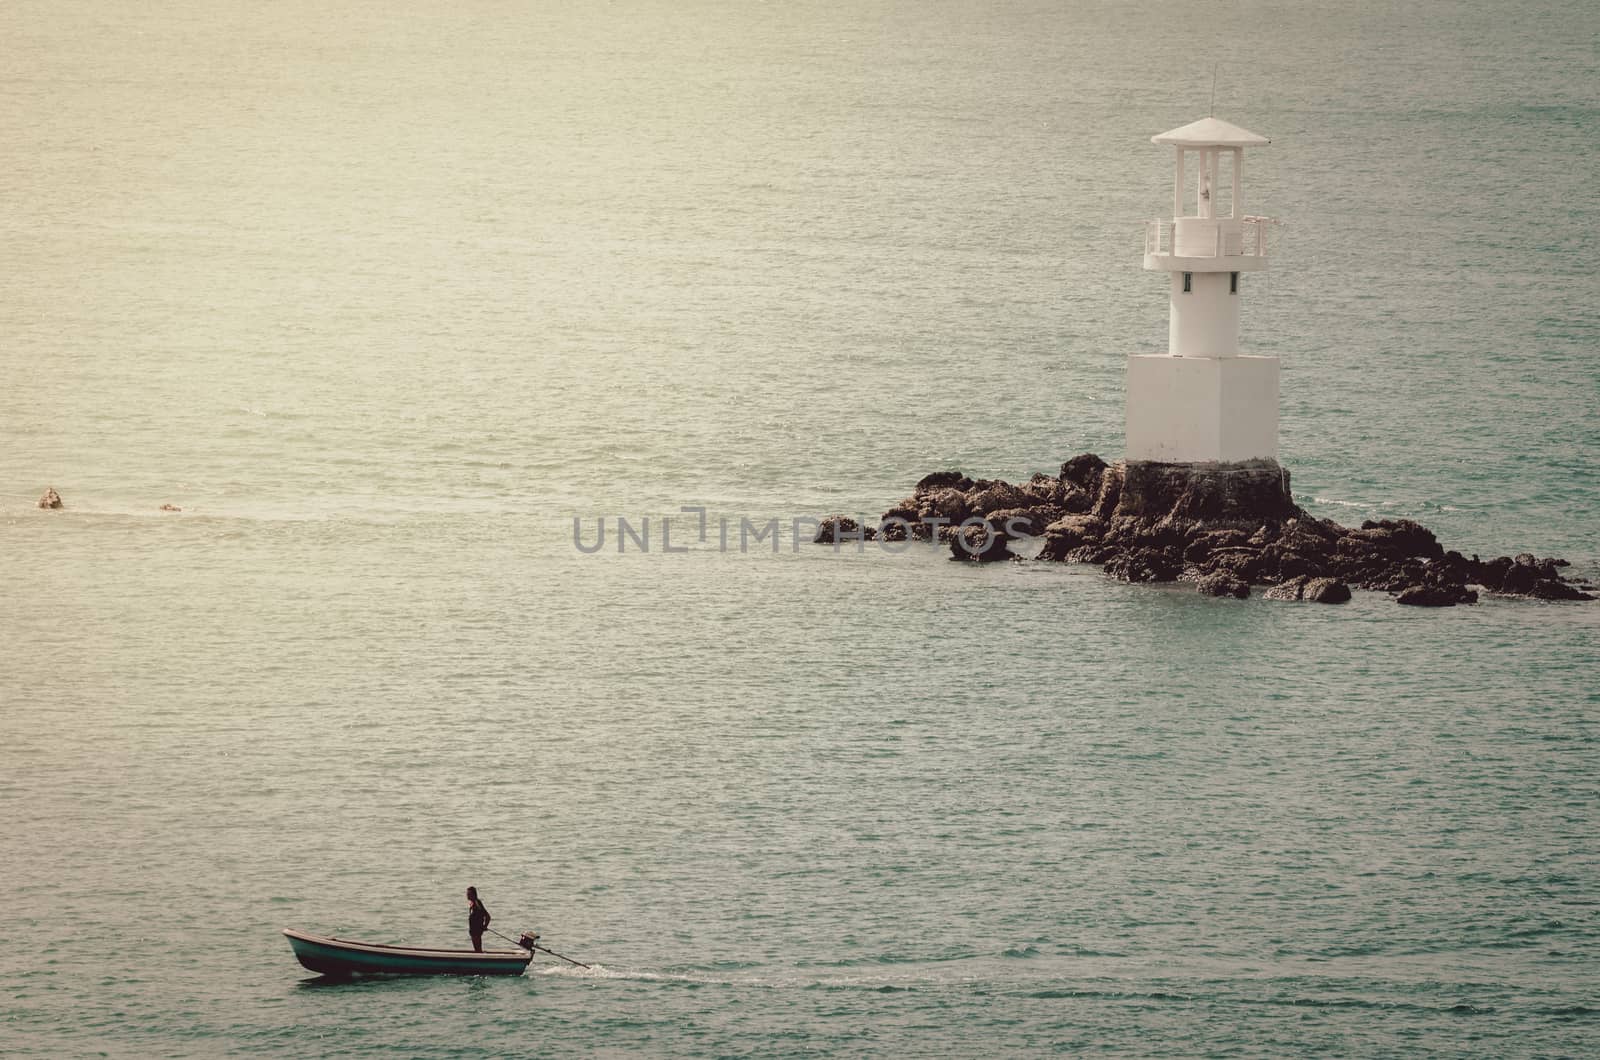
[{"x": 477, "y": 918}]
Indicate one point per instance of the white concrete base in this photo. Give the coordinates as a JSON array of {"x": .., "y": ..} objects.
[{"x": 1202, "y": 409}]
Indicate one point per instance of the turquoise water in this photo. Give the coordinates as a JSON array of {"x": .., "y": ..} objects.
[{"x": 384, "y": 299}]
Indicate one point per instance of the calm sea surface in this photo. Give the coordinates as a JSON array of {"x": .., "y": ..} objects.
[{"x": 384, "y": 296}]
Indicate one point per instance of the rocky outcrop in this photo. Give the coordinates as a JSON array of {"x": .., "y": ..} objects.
[
  {"x": 51, "y": 499},
  {"x": 1523, "y": 575},
  {"x": 1224, "y": 527}
]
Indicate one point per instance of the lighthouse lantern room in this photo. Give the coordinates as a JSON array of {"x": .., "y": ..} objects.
[{"x": 1201, "y": 401}]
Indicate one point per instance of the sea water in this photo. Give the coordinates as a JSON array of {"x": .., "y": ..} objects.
[{"x": 384, "y": 296}]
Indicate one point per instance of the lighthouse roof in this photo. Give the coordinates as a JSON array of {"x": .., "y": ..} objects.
[{"x": 1210, "y": 132}]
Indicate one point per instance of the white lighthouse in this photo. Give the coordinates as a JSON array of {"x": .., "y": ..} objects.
[{"x": 1202, "y": 401}]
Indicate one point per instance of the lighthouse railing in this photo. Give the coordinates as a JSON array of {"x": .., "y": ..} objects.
[
  {"x": 1196, "y": 237},
  {"x": 1254, "y": 235}
]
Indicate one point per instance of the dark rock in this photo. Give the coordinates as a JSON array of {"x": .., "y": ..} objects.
[
  {"x": 902, "y": 521},
  {"x": 1043, "y": 490},
  {"x": 1072, "y": 499},
  {"x": 1217, "y": 524},
  {"x": 1069, "y": 533},
  {"x": 838, "y": 529},
  {"x": 995, "y": 497},
  {"x": 1243, "y": 563},
  {"x": 1205, "y": 543},
  {"x": 1279, "y": 563},
  {"x": 1249, "y": 493},
  {"x": 1407, "y": 537},
  {"x": 1020, "y": 522},
  {"x": 1425, "y": 596},
  {"x": 1084, "y": 471},
  {"x": 1436, "y": 596},
  {"x": 1292, "y": 589},
  {"x": 980, "y": 544},
  {"x": 1359, "y": 545},
  {"x": 1325, "y": 591},
  {"x": 1373, "y": 559},
  {"x": 1163, "y": 536},
  {"x": 51, "y": 499},
  {"x": 1459, "y": 566},
  {"x": 1109, "y": 495},
  {"x": 1311, "y": 537},
  {"x": 906, "y": 509},
  {"x": 951, "y": 504},
  {"x": 1490, "y": 574},
  {"x": 941, "y": 480},
  {"x": 1519, "y": 579},
  {"x": 1556, "y": 589},
  {"x": 1221, "y": 584},
  {"x": 896, "y": 529},
  {"x": 1144, "y": 565},
  {"x": 171, "y": 508}
]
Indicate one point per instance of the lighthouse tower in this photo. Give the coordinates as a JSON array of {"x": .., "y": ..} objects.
[{"x": 1201, "y": 401}]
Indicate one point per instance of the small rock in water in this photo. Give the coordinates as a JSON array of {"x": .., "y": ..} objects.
[
  {"x": 1436, "y": 596},
  {"x": 1020, "y": 522},
  {"x": 1405, "y": 536},
  {"x": 837, "y": 529},
  {"x": 51, "y": 499},
  {"x": 1288, "y": 589},
  {"x": 1556, "y": 589},
  {"x": 980, "y": 544},
  {"x": 1521, "y": 578},
  {"x": 171, "y": 508},
  {"x": 1325, "y": 591},
  {"x": 1223, "y": 584}
]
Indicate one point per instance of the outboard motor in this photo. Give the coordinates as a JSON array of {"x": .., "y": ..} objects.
[{"x": 527, "y": 940}]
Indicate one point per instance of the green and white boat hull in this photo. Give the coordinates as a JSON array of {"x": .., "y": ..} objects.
[{"x": 341, "y": 957}]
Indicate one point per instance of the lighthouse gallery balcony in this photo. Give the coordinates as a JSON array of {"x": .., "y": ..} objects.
[{"x": 1207, "y": 244}]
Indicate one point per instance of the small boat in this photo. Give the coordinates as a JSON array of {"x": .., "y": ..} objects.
[{"x": 342, "y": 957}]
